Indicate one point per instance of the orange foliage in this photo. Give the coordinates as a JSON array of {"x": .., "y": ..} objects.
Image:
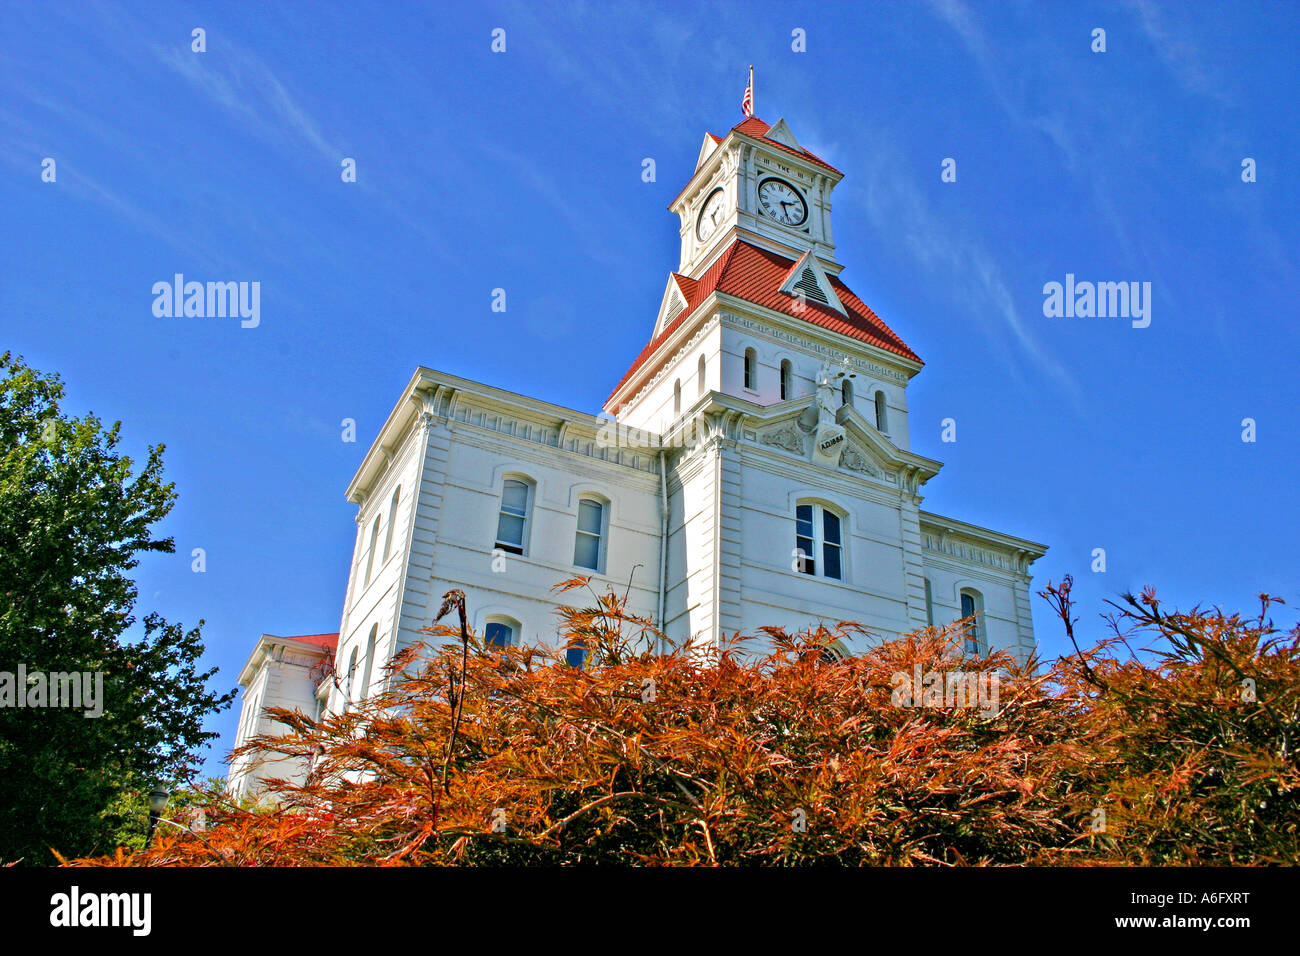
[{"x": 737, "y": 756}]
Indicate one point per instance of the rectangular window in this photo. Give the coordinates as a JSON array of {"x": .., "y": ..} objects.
[
  {"x": 803, "y": 539},
  {"x": 514, "y": 513},
  {"x": 929, "y": 604},
  {"x": 586, "y": 546}
]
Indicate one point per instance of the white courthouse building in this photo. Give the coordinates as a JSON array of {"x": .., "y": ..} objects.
[{"x": 752, "y": 467}]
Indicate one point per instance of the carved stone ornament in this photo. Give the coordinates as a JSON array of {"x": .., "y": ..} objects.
[
  {"x": 787, "y": 438},
  {"x": 854, "y": 460}
]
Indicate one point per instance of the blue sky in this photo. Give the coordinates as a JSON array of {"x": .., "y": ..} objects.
[{"x": 522, "y": 170}]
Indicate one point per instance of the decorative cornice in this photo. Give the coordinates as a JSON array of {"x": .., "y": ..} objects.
[{"x": 563, "y": 434}]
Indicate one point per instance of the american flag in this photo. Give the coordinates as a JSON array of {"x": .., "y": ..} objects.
[{"x": 747, "y": 104}]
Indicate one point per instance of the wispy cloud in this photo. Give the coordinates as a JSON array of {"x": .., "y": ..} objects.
[
  {"x": 895, "y": 201},
  {"x": 245, "y": 87},
  {"x": 1179, "y": 52}
]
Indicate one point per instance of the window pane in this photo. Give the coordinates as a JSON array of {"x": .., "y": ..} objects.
[
  {"x": 589, "y": 516},
  {"x": 803, "y": 521},
  {"x": 586, "y": 551},
  {"x": 831, "y": 556},
  {"x": 510, "y": 530},
  {"x": 575, "y": 656},
  {"x": 967, "y": 605},
  {"x": 830, "y": 528},
  {"x": 807, "y": 565},
  {"x": 498, "y": 634},
  {"x": 514, "y": 497}
]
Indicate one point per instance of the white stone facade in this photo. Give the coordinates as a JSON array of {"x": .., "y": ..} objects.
[{"x": 699, "y": 466}]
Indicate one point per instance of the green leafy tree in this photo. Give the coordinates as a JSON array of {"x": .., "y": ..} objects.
[{"x": 75, "y": 516}]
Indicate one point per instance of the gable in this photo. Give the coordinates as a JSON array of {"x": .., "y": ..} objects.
[
  {"x": 807, "y": 282},
  {"x": 710, "y": 143},
  {"x": 676, "y": 300},
  {"x": 781, "y": 133}
]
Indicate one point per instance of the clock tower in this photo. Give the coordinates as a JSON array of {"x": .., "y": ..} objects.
[{"x": 759, "y": 185}]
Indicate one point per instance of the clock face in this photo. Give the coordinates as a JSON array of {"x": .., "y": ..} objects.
[
  {"x": 711, "y": 215},
  {"x": 782, "y": 202}
]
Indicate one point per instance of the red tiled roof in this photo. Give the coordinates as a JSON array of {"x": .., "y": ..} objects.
[
  {"x": 756, "y": 128},
  {"x": 327, "y": 640},
  {"x": 756, "y": 275}
]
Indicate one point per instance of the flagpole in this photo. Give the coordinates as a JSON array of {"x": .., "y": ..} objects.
[{"x": 752, "y": 111}]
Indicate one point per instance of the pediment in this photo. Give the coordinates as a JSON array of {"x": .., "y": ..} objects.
[
  {"x": 844, "y": 442},
  {"x": 807, "y": 280},
  {"x": 673, "y": 304},
  {"x": 706, "y": 149},
  {"x": 781, "y": 133}
]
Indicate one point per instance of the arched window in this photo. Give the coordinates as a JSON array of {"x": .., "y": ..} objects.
[
  {"x": 751, "y": 370},
  {"x": 501, "y": 632},
  {"x": 348, "y": 678},
  {"x": 818, "y": 532},
  {"x": 248, "y": 719},
  {"x": 882, "y": 415},
  {"x": 833, "y": 653},
  {"x": 846, "y": 393},
  {"x": 576, "y": 655},
  {"x": 512, "y": 520},
  {"x": 392, "y": 521},
  {"x": 363, "y": 690},
  {"x": 588, "y": 540},
  {"x": 700, "y": 374},
  {"x": 677, "y": 397},
  {"x": 374, "y": 545},
  {"x": 972, "y": 609},
  {"x": 787, "y": 380}
]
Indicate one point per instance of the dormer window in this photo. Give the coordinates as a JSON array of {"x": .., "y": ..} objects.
[{"x": 751, "y": 370}]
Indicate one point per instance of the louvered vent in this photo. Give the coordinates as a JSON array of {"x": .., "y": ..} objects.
[
  {"x": 807, "y": 284},
  {"x": 674, "y": 310}
]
